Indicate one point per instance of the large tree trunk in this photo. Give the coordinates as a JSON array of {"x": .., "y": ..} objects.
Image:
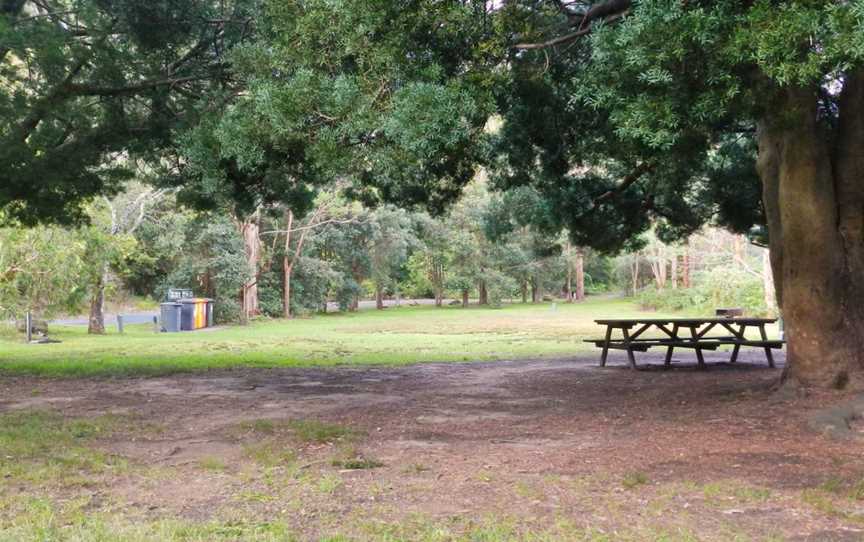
[
  {"x": 483, "y": 296},
  {"x": 96, "y": 322},
  {"x": 465, "y": 297},
  {"x": 252, "y": 243},
  {"x": 813, "y": 191},
  {"x": 768, "y": 282},
  {"x": 579, "y": 264}
]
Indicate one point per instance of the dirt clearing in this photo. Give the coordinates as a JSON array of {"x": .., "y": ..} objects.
[{"x": 542, "y": 446}]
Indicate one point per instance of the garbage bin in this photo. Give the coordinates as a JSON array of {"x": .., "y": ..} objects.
[
  {"x": 170, "y": 316},
  {"x": 194, "y": 313}
]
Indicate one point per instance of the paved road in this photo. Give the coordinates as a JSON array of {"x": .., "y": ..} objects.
[{"x": 147, "y": 317}]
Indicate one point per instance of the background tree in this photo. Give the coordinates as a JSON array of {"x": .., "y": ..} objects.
[
  {"x": 42, "y": 270},
  {"x": 109, "y": 241}
]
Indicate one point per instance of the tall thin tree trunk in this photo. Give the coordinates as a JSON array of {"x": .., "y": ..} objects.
[
  {"x": 96, "y": 322},
  {"x": 252, "y": 244},
  {"x": 287, "y": 266},
  {"x": 379, "y": 297},
  {"x": 579, "y": 264},
  {"x": 685, "y": 267},
  {"x": 524, "y": 291},
  {"x": 674, "y": 271},
  {"x": 814, "y": 202},
  {"x": 465, "y": 297}
]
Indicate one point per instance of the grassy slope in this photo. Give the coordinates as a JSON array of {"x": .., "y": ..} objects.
[{"x": 394, "y": 336}]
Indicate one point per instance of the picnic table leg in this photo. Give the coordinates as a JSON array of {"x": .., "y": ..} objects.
[
  {"x": 737, "y": 347},
  {"x": 768, "y": 353},
  {"x": 630, "y": 357},
  {"x": 699, "y": 356},
  {"x": 606, "y": 346},
  {"x": 668, "y": 361}
]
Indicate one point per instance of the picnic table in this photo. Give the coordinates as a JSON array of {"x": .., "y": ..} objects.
[{"x": 684, "y": 333}]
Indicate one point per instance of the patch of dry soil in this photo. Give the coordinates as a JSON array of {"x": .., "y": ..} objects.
[{"x": 716, "y": 451}]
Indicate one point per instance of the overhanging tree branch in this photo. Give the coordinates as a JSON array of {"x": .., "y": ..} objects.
[
  {"x": 625, "y": 183},
  {"x": 607, "y": 12}
]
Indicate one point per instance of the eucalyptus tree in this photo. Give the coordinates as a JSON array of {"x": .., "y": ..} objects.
[{"x": 624, "y": 113}]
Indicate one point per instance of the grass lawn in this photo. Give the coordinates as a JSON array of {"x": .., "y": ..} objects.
[{"x": 394, "y": 336}]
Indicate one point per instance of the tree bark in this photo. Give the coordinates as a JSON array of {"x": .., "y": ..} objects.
[
  {"x": 685, "y": 267},
  {"x": 96, "y": 322},
  {"x": 252, "y": 243},
  {"x": 465, "y": 297},
  {"x": 579, "y": 264},
  {"x": 379, "y": 297},
  {"x": 768, "y": 283},
  {"x": 568, "y": 284},
  {"x": 287, "y": 266},
  {"x": 673, "y": 262},
  {"x": 813, "y": 192},
  {"x": 482, "y": 294}
]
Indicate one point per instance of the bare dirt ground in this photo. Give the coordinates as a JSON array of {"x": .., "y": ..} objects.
[{"x": 714, "y": 454}]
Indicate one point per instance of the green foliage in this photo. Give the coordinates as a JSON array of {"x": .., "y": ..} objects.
[
  {"x": 313, "y": 282},
  {"x": 213, "y": 264},
  {"x": 374, "y": 95},
  {"x": 43, "y": 270},
  {"x": 719, "y": 287},
  {"x": 666, "y": 98},
  {"x": 86, "y": 88}
]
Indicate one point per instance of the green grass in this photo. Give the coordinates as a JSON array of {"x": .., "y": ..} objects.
[
  {"x": 38, "y": 519},
  {"x": 634, "y": 479},
  {"x": 394, "y": 336},
  {"x": 44, "y": 448}
]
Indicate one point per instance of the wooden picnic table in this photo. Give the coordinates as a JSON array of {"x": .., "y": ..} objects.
[{"x": 696, "y": 337}]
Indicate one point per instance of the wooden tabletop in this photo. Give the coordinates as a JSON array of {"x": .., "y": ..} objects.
[{"x": 710, "y": 320}]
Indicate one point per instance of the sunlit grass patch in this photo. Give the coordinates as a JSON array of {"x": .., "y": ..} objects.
[{"x": 392, "y": 337}]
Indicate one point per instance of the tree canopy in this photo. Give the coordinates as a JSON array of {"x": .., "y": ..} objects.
[{"x": 89, "y": 87}]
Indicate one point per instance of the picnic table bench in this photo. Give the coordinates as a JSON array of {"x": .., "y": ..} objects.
[{"x": 696, "y": 337}]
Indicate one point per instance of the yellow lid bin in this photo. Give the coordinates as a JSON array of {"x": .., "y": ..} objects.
[{"x": 197, "y": 313}]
